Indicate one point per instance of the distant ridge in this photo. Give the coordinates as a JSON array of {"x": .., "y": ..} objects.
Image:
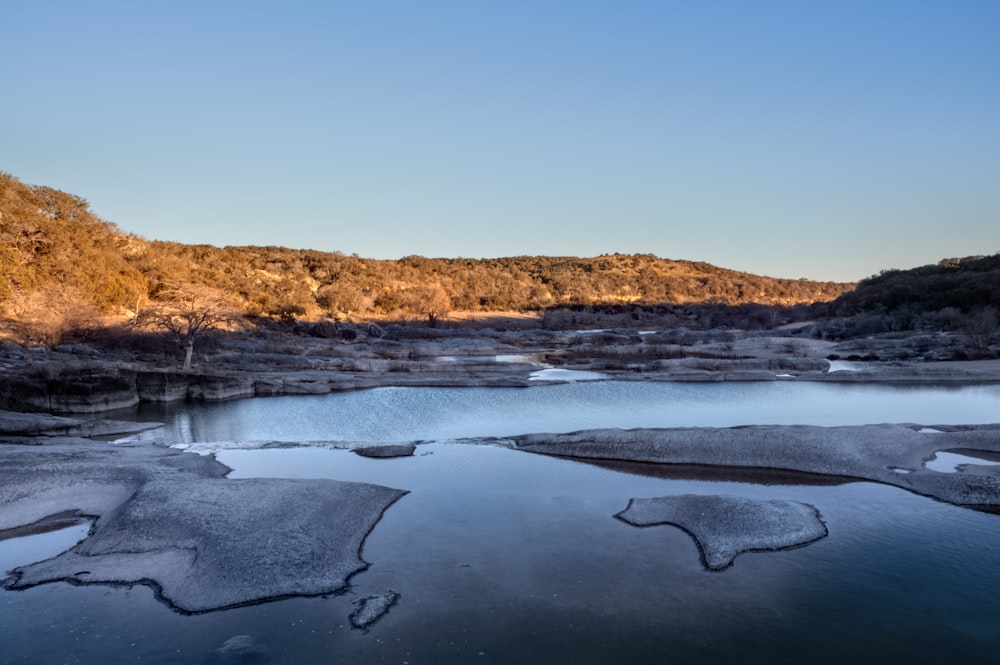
[
  {"x": 962, "y": 284},
  {"x": 53, "y": 249}
]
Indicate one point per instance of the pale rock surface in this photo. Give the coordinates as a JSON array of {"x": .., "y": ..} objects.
[{"x": 724, "y": 527}]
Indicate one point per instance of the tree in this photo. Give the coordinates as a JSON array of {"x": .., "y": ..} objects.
[
  {"x": 187, "y": 314},
  {"x": 340, "y": 297},
  {"x": 981, "y": 326},
  {"x": 430, "y": 300}
]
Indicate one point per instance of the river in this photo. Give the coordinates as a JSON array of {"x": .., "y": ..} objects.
[
  {"x": 500, "y": 556},
  {"x": 385, "y": 415}
]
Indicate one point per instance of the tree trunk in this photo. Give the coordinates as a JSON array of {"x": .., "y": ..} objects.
[{"x": 188, "y": 353}]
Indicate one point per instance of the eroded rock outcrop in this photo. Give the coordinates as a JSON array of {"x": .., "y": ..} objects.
[
  {"x": 171, "y": 521},
  {"x": 890, "y": 454},
  {"x": 18, "y": 424},
  {"x": 387, "y": 451},
  {"x": 93, "y": 478},
  {"x": 67, "y": 381},
  {"x": 370, "y": 609},
  {"x": 724, "y": 527}
]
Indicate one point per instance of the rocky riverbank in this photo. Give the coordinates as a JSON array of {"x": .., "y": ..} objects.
[
  {"x": 173, "y": 521},
  {"x": 895, "y": 454},
  {"x": 204, "y": 542},
  {"x": 79, "y": 380}
]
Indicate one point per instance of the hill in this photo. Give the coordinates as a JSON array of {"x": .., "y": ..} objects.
[
  {"x": 955, "y": 295},
  {"x": 965, "y": 284},
  {"x": 59, "y": 259},
  {"x": 51, "y": 244}
]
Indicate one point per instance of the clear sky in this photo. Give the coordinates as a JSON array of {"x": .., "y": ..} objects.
[{"x": 802, "y": 138}]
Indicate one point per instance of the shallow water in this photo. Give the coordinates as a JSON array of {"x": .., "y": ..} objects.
[
  {"x": 39, "y": 547},
  {"x": 501, "y": 556},
  {"x": 505, "y": 557},
  {"x": 408, "y": 414},
  {"x": 947, "y": 462}
]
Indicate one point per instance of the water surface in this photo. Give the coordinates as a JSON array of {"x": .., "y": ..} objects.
[
  {"x": 501, "y": 556},
  {"x": 407, "y": 414}
]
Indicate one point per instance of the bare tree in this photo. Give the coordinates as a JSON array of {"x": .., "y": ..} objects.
[
  {"x": 187, "y": 314},
  {"x": 981, "y": 327}
]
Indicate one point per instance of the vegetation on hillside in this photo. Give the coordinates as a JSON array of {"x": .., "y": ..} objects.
[
  {"x": 63, "y": 269},
  {"x": 960, "y": 295},
  {"x": 57, "y": 256},
  {"x": 279, "y": 282},
  {"x": 965, "y": 284},
  {"x": 61, "y": 266},
  {"x": 49, "y": 240}
]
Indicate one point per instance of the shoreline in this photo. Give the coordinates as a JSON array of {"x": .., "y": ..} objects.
[
  {"x": 174, "y": 521},
  {"x": 170, "y": 519},
  {"x": 78, "y": 381}
]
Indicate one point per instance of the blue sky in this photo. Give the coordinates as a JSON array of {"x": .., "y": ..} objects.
[{"x": 815, "y": 139}]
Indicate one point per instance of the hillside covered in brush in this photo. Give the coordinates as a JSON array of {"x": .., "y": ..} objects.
[
  {"x": 965, "y": 284},
  {"x": 55, "y": 253}
]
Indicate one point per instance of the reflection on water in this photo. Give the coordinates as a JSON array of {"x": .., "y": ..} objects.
[
  {"x": 949, "y": 462},
  {"x": 517, "y": 557},
  {"x": 27, "y": 549},
  {"x": 500, "y": 556}
]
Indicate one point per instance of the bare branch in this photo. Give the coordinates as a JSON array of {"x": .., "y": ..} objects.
[{"x": 187, "y": 313}]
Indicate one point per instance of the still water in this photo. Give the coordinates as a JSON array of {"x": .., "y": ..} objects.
[{"x": 501, "y": 556}]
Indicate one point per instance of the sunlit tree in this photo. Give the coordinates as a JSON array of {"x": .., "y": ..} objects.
[
  {"x": 186, "y": 314},
  {"x": 430, "y": 300}
]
